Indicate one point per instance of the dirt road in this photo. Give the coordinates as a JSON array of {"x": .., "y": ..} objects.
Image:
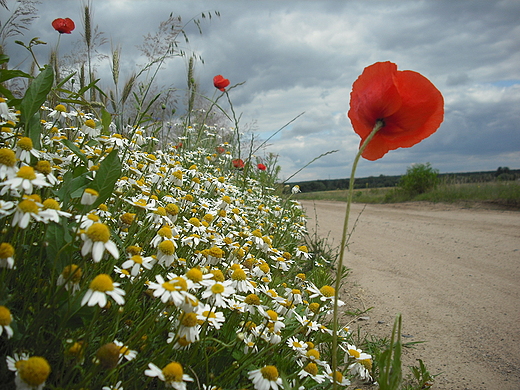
[{"x": 453, "y": 274}]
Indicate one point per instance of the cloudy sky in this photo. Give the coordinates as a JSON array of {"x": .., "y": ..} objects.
[{"x": 303, "y": 56}]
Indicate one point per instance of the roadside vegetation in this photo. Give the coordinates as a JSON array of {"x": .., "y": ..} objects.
[{"x": 495, "y": 193}]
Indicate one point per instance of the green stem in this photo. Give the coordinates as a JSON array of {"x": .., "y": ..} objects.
[{"x": 379, "y": 124}]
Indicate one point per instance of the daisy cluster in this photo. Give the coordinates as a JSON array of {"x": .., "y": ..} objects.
[{"x": 125, "y": 261}]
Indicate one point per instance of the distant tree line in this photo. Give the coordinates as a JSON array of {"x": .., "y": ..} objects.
[{"x": 502, "y": 174}]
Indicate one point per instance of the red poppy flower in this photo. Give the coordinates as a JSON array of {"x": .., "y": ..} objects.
[
  {"x": 220, "y": 82},
  {"x": 238, "y": 163},
  {"x": 63, "y": 26},
  {"x": 410, "y": 107},
  {"x": 262, "y": 167},
  {"x": 220, "y": 149}
]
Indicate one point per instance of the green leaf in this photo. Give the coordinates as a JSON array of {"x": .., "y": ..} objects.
[
  {"x": 56, "y": 237},
  {"x": 106, "y": 177},
  {"x": 4, "y": 58},
  {"x": 106, "y": 119},
  {"x": 72, "y": 186},
  {"x": 37, "y": 93},
  {"x": 6, "y": 74},
  {"x": 69, "y": 144},
  {"x": 65, "y": 80},
  {"x": 33, "y": 129}
]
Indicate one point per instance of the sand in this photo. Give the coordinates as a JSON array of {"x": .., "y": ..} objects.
[{"x": 452, "y": 272}]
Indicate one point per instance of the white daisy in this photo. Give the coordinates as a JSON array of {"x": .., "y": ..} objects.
[
  {"x": 101, "y": 286},
  {"x": 265, "y": 378},
  {"x": 96, "y": 240},
  {"x": 172, "y": 374}
]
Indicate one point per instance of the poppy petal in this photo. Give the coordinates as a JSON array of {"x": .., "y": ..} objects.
[{"x": 411, "y": 107}]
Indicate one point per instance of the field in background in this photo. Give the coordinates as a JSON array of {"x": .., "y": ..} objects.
[{"x": 498, "y": 193}]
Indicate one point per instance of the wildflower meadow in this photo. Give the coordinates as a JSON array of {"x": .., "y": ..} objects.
[{"x": 144, "y": 253}]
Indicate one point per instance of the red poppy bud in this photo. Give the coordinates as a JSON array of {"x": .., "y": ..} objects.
[
  {"x": 410, "y": 107},
  {"x": 63, "y": 26},
  {"x": 238, "y": 163},
  {"x": 262, "y": 167},
  {"x": 220, "y": 149},
  {"x": 220, "y": 82}
]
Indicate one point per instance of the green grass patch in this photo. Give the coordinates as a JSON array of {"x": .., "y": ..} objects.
[{"x": 501, "y": 193}]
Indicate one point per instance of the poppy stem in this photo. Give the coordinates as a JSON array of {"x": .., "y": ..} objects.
[{"x": 378, "y": 126}]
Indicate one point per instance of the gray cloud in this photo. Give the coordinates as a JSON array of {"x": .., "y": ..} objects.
[{"x": 297, "y": 56}]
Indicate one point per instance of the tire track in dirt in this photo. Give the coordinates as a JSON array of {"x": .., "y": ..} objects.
[{"x": 454, "y": 275}]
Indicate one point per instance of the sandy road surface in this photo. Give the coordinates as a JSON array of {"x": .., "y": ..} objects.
[{"x": 454, "y": 275}]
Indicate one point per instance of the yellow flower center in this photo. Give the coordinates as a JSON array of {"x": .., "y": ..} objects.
[
  {"x": 218, "y": 275},
  {"x": 313, "y": 353},
  {"x": 7, "y": 157},
  {"x": 6, "y": 250},
  {"x": 43, "y": 166},
  {"x": 327, "y": 291},
  {"x": 172, "y": 209},
  {"x": 28, "y": 206},
  {"x": 189, "y": 320},
  {"x": 176, "y": 284},
  {"x": 264, "y": 267},
  {"x": 314, "y": 307},
  {"x": 5, "y": 316},
  {"x": 337, "y": 376},
  {"x": 296, "y": 291},
  {"x": 194, "y": 221},
  {"x": 165, "y": 231},
  {"x": 239, "y": 274},
  {"x": 73, "y": 272},
  {"x": 216, "y": 252},
  {"x": 160, "y": 211},
  {"x": 90, "y": 123},
  {"x": 60, "y": 108},
  {"x": 93, "y": 217},
  {"x": 127, "y": 218},
  {"x": 177, "y": 174},
  {"x": 133, "y": 250},
  {"x": 25, "y": 143},
  {"x": 311, "y": 368},
  {"x": 98, "y": 232},
  {"x": 51, "y": 204},
  {"x": 173, "y": 372},
  {"x": 217, "y": 288},
  {"x": 272, "y": 315},
  {"x": 108, "y": 355},
  {"x": 34, "y": 371},
  {"x": 353, "y": 353},
  {"x": 26, "y": 172},
  {"x": 137, "y": 259},
  {"x": 90, "y": 191},
  {"x": 303, "y": 248},
  {"x": 102, "y": 283},
  {"x": 270, "y": 373},
  {"x": 167, "y": 247},
  {"x": 252, "y": 299},
  {"x": 194, "y": 274}
]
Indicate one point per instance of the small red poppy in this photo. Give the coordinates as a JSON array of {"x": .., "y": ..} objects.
[
  {"x": 220, "y": 149},
  {"x": 410, "y": 107},
  {"x": 238, "y": 163},
  {"x": 220, "y": 82},
  {"x": 262, "y": 167},
  {"x": 63, "y": 26}
]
